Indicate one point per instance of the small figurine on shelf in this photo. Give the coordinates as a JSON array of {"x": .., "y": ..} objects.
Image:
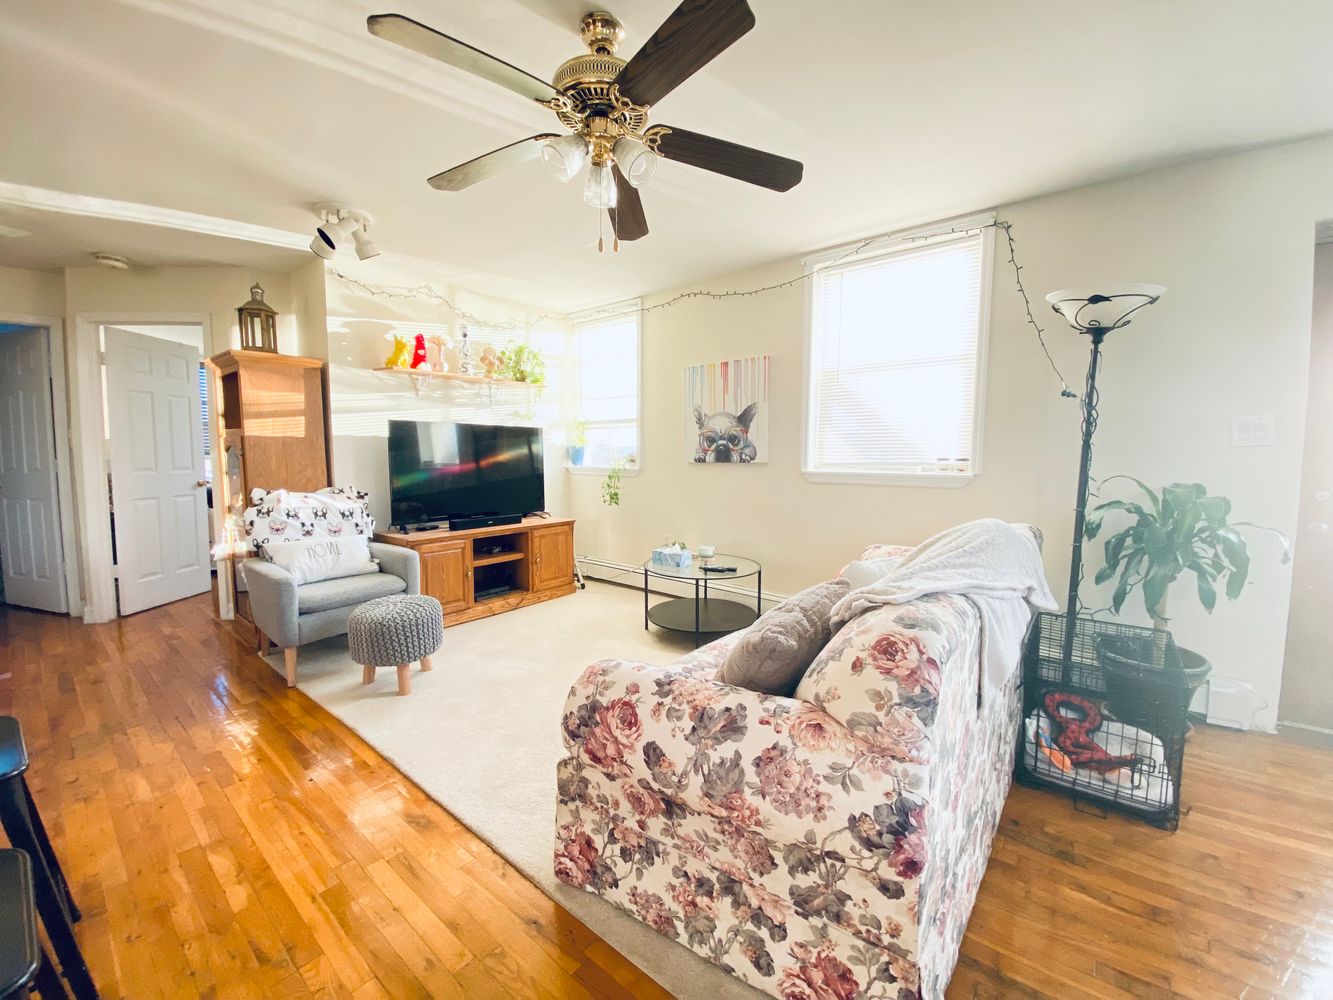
[
  {"x": 465, "y": 366},
  {"x": 491, "y": 362},
  {"x": 419, "y": 352},
  {"x": 435, "y": 345},
  {"x": 398, "y": 357}
]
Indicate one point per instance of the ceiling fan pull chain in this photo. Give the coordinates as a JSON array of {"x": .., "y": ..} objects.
[
  {"x": 600, "y": 245},
  {"x": 615, "y": 245}
]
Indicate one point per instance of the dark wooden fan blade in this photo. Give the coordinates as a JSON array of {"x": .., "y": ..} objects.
[
  {"x": 416, "y": 36},
  {"x": 753, "y": 166},
  {"x": 686, "y": 42},
  {"x": 627, "y": 218},
  {"x": 466, "y": 174}
]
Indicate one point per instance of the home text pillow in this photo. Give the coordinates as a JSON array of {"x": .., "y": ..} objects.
[
  {"x": 774, "y": 653},
  {"x": 282, "y": 515},
  {"x": 310, "y": 560}
]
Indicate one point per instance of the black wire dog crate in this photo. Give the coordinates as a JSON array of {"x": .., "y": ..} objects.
[{"x": 1129, "y": 717}]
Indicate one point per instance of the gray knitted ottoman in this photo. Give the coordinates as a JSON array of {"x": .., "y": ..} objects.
[{"x": 392, "y": 632}]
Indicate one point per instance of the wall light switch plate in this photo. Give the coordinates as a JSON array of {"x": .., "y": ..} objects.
[{"x": 1253, "y": 431}]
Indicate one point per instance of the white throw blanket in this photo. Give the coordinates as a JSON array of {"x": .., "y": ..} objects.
[{"x": 992, "y": 563}]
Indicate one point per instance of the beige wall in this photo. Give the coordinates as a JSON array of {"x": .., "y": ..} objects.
[
  {"x": 1233, "y": 241},
  {"x": 363, "y": 401},
  {"x": 31, "y": 293},
  {"x": 216, "y": 291}
]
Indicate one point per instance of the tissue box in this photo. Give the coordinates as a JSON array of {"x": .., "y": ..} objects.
[{"x": 673, "y": 558}]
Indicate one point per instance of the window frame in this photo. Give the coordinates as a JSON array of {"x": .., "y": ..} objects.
[
  {"x": 891, "y": 244},
  {"x": 626, "y": 309}
]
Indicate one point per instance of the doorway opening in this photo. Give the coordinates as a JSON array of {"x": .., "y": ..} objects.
[
  {"x": 157, "y": 455},
  {"x": 1305, "y": 711},
  {"x": 32, "y": 549}
]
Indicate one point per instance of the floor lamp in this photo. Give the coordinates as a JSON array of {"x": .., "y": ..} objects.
[{"x": 1095, "y": 314}]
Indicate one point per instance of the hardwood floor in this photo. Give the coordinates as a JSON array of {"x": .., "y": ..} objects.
[{"x": 227, "y": 837}]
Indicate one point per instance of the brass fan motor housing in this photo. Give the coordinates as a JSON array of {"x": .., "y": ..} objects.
[{"x": 586, "y": 82}]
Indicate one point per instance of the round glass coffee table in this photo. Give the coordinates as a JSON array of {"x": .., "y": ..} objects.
[{"x": 702, "y": 614}]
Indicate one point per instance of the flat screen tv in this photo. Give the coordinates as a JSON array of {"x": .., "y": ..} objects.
[{"x": 441, "y": 471}]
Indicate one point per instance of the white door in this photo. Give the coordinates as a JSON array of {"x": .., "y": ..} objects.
[
  {"x": 157, "y": 446},
  {"x": 30, "y": 549}
]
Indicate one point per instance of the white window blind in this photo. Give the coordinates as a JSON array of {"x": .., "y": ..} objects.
[
  {"x": 608, "y": 353},
  {"x": 894, "y": 356}
]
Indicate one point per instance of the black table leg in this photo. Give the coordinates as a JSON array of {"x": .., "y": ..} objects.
[
  {"x": 18, "y": 823},
  {"x": 48, "y": 981},
  {"x": 645, "y": 599},
  {"x": 759, "y": 594},
  {"x": 49, "y": 854},
  {"x": 696, "y": 614}
]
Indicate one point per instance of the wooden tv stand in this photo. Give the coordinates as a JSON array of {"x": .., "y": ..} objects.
[{"x": 533, "y": 561}]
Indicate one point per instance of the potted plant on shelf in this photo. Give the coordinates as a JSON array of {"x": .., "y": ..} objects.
[
  {"x": 522, "y": 363},
  {"x": 578, "y": 440},
  {"x": 1181, "y": 529}
]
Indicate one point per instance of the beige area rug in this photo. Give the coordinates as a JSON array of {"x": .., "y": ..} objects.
[{"x": 481, "y": 735}]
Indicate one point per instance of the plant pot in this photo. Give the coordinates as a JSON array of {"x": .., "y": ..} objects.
[
  {"x": 575, "y": 454},
  {"x": 1141, "y": 691}
]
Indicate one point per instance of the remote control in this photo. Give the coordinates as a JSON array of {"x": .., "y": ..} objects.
[{"x": 718, "y": 569}]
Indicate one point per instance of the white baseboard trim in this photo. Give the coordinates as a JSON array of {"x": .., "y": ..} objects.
[
  {"x": 632, "y": 576},
  {"x": 1282, "y": 724}
]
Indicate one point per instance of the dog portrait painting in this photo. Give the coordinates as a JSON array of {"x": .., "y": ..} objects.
[{"x": 726, "y": 411}]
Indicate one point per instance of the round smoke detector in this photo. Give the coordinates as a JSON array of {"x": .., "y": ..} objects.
[{"x": 112, "y": 261}]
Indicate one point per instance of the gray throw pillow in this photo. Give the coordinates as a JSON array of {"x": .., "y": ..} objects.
[{"x": 774, "y": 653}]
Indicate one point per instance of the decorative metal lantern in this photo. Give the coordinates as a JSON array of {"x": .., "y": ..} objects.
[{"x": 259, "y": 323}]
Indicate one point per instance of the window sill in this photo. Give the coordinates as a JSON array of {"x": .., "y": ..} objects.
[
  {"x": 929, "y": 480},
  {"x": 598, "y": 470}
]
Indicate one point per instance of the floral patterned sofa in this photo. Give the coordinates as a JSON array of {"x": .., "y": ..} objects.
[{"x": 823, "y": 847}]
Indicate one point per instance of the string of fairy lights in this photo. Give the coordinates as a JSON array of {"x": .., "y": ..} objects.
[{"x": 428, "y": 293}]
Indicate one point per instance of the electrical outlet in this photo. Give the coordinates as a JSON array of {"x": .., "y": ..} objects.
[{"x": 1252, "y": 431}]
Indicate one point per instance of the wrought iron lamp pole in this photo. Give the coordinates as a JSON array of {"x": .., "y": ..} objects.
[{"x": 1095, "y": 314}]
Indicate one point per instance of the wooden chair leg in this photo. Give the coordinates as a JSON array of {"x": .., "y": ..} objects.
[
  {"x": 404, "y": 678},
  {"x": 367, "y": 674},
  {"x": 289, "y": 660},
  {"x": 426, "y": 664},
  {"x": 265, "y": 644}
]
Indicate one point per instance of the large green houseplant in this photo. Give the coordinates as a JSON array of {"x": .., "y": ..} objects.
[
  {"x": 1177, "y": 531},
  {"x": 1180, "y": 530}
]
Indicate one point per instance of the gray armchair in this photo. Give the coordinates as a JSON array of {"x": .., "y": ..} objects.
[{"x": 290, "y": 616}]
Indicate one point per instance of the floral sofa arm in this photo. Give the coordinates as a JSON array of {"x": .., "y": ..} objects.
[{"x": 778, "y": 766}]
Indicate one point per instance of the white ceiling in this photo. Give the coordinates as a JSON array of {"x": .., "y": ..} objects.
[{"x": 901, "y": 111}]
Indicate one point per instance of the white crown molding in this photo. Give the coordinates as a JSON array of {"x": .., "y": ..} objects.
[{"x": 46, "y": 200}]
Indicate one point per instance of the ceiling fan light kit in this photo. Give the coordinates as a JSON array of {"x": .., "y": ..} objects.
[
  {"x": 564, "y": 157},
  {"x": 599, "y": 190},
  {"x": 604, "y": 102}
]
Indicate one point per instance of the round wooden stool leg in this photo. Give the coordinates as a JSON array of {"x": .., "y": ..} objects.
[
  {"x": 404, "y": 678},
  {"x": 367, "y": 674},
  {"x": 426, "y": 664}
]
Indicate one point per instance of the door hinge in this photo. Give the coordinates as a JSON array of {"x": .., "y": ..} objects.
[{"x": 101, "y": 357}]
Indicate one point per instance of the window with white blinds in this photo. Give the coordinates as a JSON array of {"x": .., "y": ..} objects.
[
  {"x": 896, "y": 344},
  {"x": 608, "y": 358}
]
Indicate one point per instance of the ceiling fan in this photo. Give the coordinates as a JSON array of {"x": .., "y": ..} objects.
[{"x": 604, "y": 102}]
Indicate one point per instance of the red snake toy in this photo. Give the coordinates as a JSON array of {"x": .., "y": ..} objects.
[{"x": 1075, "y": 738}]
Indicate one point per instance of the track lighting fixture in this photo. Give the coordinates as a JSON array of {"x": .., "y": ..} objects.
[{"x": 341, "y": 225}]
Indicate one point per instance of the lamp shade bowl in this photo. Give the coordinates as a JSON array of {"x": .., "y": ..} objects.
[{"x": 1103, "y": 309}]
